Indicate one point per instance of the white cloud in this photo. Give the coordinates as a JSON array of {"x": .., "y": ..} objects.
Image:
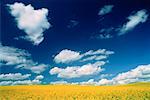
[
  {"x": 39, "y": 77},
  {"x": 20, "y": 59},
  {"x": 67, "y": 56},
  {"x": 133, "y": 20},
  {"x": 24, "y": 82},
  {"x": 38, "y": 68},
  {"x": 98, "y": 52},
  {"x": 95, "y": 57},
  {"x": 59, "y": 82},
  {"x": 11, "y": 55},
  {"x": 32, "y": 22},
  {"x": 105, "y": 75},
  {"x": 139, "y": 74},
  {"x": 6, "y": 83},
  {"x": 37, "y": 80},
  {"x": 101, "y": 57},
  {"x": 89, "y": 58},
  {"x": 93, "y": 82},
  {"x": 55, "y": 70},
  {"x": 78, "y": 71},
  {"x": 89, "y": 82},
  {"x": 106, "y": 9},
  {"x": 15, "y": 76},
  {"x": 105, "y": 82}
]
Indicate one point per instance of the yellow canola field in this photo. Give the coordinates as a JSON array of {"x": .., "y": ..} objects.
[{"x": 139, "y": 91}]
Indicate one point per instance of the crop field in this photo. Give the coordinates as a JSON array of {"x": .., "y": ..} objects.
[{"x": 137, "y": 91}]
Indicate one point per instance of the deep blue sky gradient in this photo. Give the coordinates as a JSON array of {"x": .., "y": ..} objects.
[{"x": 131, "y": 49}]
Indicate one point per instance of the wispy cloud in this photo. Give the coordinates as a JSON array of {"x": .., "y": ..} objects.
[
  {"x": 67, "y": 56},
  {"x": 59, "y": 82},
  {"x": 72, "y": 23},
  {"x": 11, "y": 56},
  {"x": 105, "y": 33},
  {"x": 140, "y": 16},
  {"x": 95, "y": 57},
  {"x": 105, "y": 10},
  {"x": 104, "y": 36},
  {"x": 32, "y": 22},
  {"x": 134, "y": 19},
  {"x": 14, "y": 76},
  {"x": 78, "y": 71},
  {"x": 19, "y": 81}
]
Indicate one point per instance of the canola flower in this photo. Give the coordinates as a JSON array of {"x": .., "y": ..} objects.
[{"x": 138, "y": 91}]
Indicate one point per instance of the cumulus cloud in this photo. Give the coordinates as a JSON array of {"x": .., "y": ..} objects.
[
  {"x": 14, "y": 76},
  {"x": 32, "y": 22},
  {"x": 105, "y": 10},
  {"x": 139, "y": 74},
  {"x": 140, "y": 16},
  {"x": 19, "y": 81},
  {"x": 66, "y": 56},
  {"x": 38, "y": 68},
  {"x": 89, "y": 63},
  {"x": 78, "y": 71},
  {"x": 39, "y": 77},
  {"x": 20, "y": 59}
]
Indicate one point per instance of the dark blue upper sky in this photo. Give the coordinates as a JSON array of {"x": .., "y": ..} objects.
[{"x": 77, "y": 25}]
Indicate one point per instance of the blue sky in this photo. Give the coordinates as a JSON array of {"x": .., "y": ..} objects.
[{"x": 74, "y": 41}]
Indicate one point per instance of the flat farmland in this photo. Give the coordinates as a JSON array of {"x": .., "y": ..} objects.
[{"x": 137, "y": 91}]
